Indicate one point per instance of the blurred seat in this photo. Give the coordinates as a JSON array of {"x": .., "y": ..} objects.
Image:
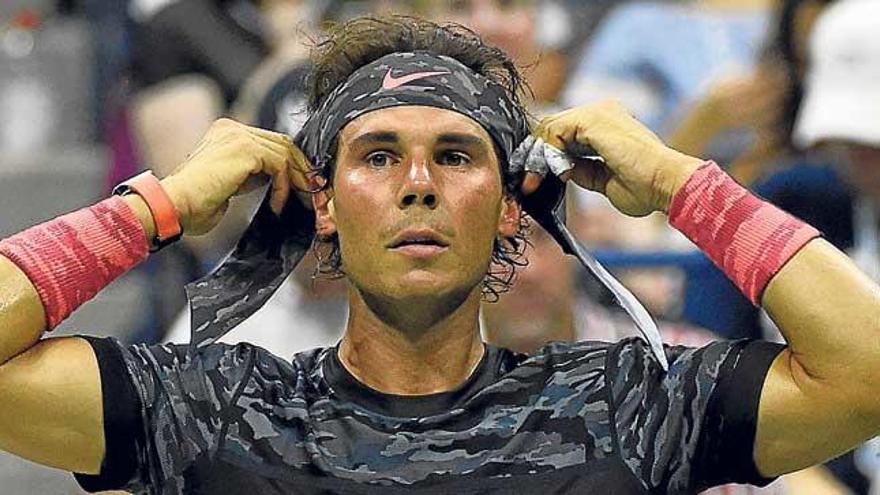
[
  {"x": 46, "y": 87},
  {"x": 711, "y": 300},
  {"x": 38, "y": 186}
]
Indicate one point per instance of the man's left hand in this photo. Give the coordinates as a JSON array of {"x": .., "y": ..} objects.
[{"x": 640, "y": 174}]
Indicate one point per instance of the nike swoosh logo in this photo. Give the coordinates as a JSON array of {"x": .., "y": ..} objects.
[{"x": 391, "y": 82}]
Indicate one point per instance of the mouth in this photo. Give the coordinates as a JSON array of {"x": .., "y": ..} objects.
[{"x": 421, "y": 243}]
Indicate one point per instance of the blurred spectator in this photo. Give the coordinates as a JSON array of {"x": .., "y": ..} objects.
[
  {"x": 763, "y": 104},
  {"x": 738, "y": 122},
  {"x": 841, "y": 111},
  {"x": 545, "y": 305},
  {"x": 659, "y": 57},
  {"x": 193, "y": 59},
  {"x": 533, "y": 33},
  {"x": 536, "y": 34},
  {"x": 759, "y": 106}
]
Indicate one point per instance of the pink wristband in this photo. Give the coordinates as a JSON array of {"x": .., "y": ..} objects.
[
  {"x": 748, "y": 238},
  {"x": 71, "y": 258}
]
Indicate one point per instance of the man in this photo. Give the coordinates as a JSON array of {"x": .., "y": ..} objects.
[{"x": 411, "y": 149}]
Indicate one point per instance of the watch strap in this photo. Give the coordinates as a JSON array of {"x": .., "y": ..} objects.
[{"x": 165, "y": 216}]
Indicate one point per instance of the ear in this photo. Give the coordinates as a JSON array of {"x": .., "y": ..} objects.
[
  {"x": 325, "y": 214},
  {"x": 508, "y": 222}
]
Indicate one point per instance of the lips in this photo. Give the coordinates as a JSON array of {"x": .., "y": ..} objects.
[{"x": 418, "y": 237}]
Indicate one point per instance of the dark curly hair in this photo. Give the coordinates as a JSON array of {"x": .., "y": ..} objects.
[{"x": 348, "y": 46}]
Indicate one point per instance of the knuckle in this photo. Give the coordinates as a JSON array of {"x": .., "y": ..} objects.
[{"x": 224, "y": 122}]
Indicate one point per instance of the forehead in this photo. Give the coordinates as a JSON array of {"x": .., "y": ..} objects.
[{"x": 413, "y": 122}]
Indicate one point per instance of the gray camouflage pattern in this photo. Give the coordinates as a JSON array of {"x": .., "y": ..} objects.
[{"x": 566, "y": 408}]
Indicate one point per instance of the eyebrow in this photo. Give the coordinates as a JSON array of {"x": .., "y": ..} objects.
[
  {"x": 390, "y": 137},
  {"x": 460, "y": 139},
  {"x": 376, "y": 137}
]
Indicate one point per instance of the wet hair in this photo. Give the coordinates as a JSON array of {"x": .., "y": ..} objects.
[{"x": 348, "y": 46}]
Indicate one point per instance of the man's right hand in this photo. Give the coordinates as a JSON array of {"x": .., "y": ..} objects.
[{"x": 233, "y": 158}]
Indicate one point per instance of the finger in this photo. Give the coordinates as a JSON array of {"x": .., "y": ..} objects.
[
  {"x": 280, "y": 191},
  {"x": 296, "y": 161},
  {"x": 300, "y": 169},
  {"x": 531, "y": 183},
  {"x": 556, "y": 134},
  {"x": 272, "y": 156},
  {"x": 252, "y": 183},
  {"x": 591, "y": 174},
  {"x": 276, "y": 137}
]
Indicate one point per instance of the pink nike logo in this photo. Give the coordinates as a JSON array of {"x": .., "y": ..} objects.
[{"x": 391, "y": 82}]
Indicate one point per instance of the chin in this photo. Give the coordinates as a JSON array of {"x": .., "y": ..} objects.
[
  {"x": 422, "y": 283},
  {"x": 417, "y": 286}
]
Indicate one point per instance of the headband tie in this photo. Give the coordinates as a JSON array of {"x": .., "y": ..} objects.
[{"x": 272, "y": 246}]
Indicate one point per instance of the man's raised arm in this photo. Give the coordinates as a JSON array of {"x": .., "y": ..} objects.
[
  {"x": 820, "y": 397},
  {"x": 51, "y": 408}
]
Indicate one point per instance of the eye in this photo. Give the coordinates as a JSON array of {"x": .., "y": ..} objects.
[
  {"x": 453, "y": 158},
  {"x": 379, "y": 159}
]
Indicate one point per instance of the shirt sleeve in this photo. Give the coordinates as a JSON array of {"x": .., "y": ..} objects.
[
  {"x": 163, "y": 410},
  {"x": 694, "y": 426}
]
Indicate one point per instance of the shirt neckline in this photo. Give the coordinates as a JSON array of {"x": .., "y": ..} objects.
[{"x": 348, "y": 388}]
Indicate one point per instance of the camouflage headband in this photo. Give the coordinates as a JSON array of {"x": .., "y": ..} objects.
[
  {"x": 418, "y": 78},
  {"x": 272, "y": 247}
]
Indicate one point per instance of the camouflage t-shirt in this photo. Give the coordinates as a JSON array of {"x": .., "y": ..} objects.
[{"x": 585, "y": 417}]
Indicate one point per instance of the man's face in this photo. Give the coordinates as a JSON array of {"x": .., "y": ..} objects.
[{"x": 418, "y": 202}]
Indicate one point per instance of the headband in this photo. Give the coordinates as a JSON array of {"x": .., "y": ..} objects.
[{"x": 273, "y": 245}]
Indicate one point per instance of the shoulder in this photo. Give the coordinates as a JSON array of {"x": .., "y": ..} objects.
[
  {"x": 635, "y": 354},
  {"x": 188, "y": 369},
  {"x": 569, "y": 355},
  {"x": 578, "y": 367}
]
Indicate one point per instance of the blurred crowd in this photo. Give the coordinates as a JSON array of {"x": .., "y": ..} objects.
[{"x": 784, "y": 94}]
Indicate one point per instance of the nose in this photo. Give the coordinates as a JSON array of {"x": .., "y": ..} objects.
[{"x": 418, "y": 187}]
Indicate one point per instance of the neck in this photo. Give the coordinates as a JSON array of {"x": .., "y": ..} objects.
[{"x": 412, "y": 348}]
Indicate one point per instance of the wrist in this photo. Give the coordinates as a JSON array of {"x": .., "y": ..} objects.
[
  {"x": 143, "y": 214},
  {"x": 748, "y": 238},
  {"x": 69, "y": 259},
  {"x": 676, "y": 174},
  {"x": 178, "y": 199},
  {"x": 161, "y": 220}
]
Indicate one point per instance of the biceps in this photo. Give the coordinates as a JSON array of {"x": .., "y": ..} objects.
[
  {"x": 51, "y": 408},
  {"x": 801, "y": 421}
]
